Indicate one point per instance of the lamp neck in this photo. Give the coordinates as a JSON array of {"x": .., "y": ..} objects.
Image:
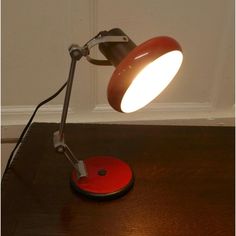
[
  {"x": 58, "y": 138},
  {"x": 76, "y": 55},
  {"x": 115, "y": 52}
]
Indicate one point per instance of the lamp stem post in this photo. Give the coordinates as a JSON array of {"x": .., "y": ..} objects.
[
  {"x": 67, "y": 99},
  {"x": 76, "y": 53}
]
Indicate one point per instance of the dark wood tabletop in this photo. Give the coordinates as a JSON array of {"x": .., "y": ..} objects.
[{"x": 184, "y": 183}]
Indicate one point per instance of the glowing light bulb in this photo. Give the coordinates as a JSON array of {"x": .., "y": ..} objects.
[{"x": 151, "y": 81}]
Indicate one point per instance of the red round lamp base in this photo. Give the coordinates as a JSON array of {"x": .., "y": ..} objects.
[{"x": 107, "y": 177}]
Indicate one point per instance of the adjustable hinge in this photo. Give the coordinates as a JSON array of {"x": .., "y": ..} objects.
[{"x": 61, "y": 147}]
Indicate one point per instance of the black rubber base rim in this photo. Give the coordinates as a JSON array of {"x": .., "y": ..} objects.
[{"x": 107, "y": 196}]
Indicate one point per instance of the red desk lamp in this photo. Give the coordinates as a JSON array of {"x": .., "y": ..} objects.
[{"x": 142, "y": 73}]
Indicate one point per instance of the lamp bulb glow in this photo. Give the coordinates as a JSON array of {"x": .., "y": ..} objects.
[{"x": 151, "y": 81}]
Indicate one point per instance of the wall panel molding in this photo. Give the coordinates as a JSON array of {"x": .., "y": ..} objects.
[
  {"x": 223, "y": 87},
  {"x": 19, "y": 115},
  {"x": 103, "y": 113}
]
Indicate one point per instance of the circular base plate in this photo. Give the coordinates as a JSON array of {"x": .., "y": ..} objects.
[{"x": 108, "y": 177}]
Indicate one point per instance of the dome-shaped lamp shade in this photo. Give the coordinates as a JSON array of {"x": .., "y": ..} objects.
[{"x": 144, "y": 73}]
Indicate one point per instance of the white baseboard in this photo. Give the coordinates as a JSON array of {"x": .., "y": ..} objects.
[{"x": 14, "y": 118}]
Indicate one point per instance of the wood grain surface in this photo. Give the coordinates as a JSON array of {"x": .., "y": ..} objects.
[{"x": 184, "y": 183}]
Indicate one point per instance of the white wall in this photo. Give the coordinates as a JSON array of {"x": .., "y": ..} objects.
[{"x": 36, "y": 35}]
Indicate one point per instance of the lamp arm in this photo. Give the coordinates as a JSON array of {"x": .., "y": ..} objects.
[
  {"x": 67, "y": 99},
  {"x": 59, "y": 143},
  {"x": 103, "y": 39},
  {"x": 76, "y": 54}
]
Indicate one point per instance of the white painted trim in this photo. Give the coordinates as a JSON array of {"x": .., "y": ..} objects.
[
  {"x": 27, "y": 109},
  {"x": 161, "y": 107},
  {"x": 14, "y": 131},
  {"x": 18, "y": 115},
  {"x": 223, "y": 49},
  {"x": 169, "y": 113}
]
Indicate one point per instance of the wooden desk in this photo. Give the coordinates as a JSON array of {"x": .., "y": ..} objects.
[{"x": 184, "y": 183}]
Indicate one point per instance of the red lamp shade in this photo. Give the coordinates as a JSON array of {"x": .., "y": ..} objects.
[{"x": 143, "y": 73}]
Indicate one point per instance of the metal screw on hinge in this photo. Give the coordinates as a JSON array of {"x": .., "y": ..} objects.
[
  {"x": 60, "y": 149},
  {"x": 77, "y": 52}
]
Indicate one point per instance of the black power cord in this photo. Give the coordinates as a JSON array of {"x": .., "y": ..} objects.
[{"x": 29, "y": 123}]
